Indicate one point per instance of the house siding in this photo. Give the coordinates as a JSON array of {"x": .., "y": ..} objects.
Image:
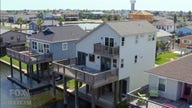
[
  {"x": 56, "y": 49},
  {"x": 32, "y": 26},
  {"x": 145, "y": 51},
  {"x": 96, "y": 37},
  {"x": 58, "y": 54},
  {"x": 172, "y": 87}
]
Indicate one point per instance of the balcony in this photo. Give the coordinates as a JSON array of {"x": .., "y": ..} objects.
[
  {"x": 106, "y": 51},
  {"x": 85, "y": 74},
  {"x": 24, "y": 55}
]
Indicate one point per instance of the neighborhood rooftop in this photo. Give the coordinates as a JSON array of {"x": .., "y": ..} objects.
[
  {"x": 179, "y": 69},
  {"x": 127, "y": 28},
  {"x": 55, "y": 33}
]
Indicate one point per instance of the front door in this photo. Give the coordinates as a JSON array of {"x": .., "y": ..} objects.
[
  {"x": 187, "y": 90},
  {"x": 105, "y": 64},
  {"x": 81, "y": 58}
]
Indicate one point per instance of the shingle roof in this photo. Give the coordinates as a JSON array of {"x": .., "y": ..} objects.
[
  {"x": 180, "y": 69},
  {"x": 60, "y": 33},
  {"x": 127, "y": 28}
]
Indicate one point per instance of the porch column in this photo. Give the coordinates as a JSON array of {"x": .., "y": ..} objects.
[
  {"x": 37, "y": 69},
  {"x": 30, "y": 76},
  {"x": 120, "y": 89},
  {"x": 53, "y": 86},
  {"x": 116, "y": 95},
  {"x": 11, "y": 63},
  {"x": 93, "y": 98},
  {"x": 20, "y": 71},
  {"x": 76, "y": 91},
  {"x": 64, "y": 88},
  {"x": 87, "y": 88}
]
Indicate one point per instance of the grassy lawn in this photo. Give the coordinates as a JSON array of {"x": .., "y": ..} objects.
[{"x": 165, "y": 57}]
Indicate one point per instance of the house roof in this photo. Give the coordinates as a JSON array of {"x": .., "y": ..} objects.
[
  {"x": 127, "y": 28},
  {"x": 189, "y": 27},
  {"x": 162, "y": 33},
  {"x": 164, "y": 22},
  {"x": 60, "y": 33},
  {"x": 180, "y": 69},
  {"x": 184, "y": 37},
  {"x": 141, "y": 12}
]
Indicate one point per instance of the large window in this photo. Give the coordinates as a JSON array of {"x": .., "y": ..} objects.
[
  {"x": 115, "y": 63},
  {"x": 162, "y": 84},
  {"x": 40, "y": 46},
  {"x": 64, "y": 46},
  {"x": 34, "y": 45},
  {"x": 109, "y": 41},
  {"x": 46, "y": 48}
]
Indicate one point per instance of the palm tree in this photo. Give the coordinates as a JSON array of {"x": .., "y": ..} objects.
[
  {"x": 40, "y": 21},
  {"x": 20, "y": 21},
  {"x": 60, "y": 19}
]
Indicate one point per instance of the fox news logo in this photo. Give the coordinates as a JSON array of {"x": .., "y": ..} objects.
[{"x": 19, "y": 92}]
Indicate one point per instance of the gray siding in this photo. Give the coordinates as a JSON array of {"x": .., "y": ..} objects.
[
  {"x": 58, "y": 54},
  {"x": 172, "y": 87}
]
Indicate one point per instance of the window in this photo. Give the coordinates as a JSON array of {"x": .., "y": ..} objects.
[
  {"x": 122, "y": 41},
  {"x": 114, "y": 63},
  {"x": 136, "y": 39},
  {"x": 34, "y": 45},
  {"x": 150, "y": 38},
  {"x": 135, "y": 58},
  {"x": 153, "y": 38},
  {"x": 46, "y": 48},
  {"x": 40, "y": 45},
  {"x": 109, "y": 42},
  {"x": 122, "y": 63},
  {"x": 187, "y": 41},
  {"x": 64, "y": 46},
  {"x": 161, "y": 84},
  {"x": 91, "y": 57}
]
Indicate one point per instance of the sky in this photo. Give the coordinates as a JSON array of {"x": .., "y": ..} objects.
[{"x": 161, "y": 5}]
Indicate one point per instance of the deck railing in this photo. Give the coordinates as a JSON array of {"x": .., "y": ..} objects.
[
  {"x": 69, "y": 68},
  {"x": 106, "y": 50},
  {"x": 27, "y": 57}
]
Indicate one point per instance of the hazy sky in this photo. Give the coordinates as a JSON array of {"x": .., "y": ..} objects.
[{"x": 172, "y": 5}]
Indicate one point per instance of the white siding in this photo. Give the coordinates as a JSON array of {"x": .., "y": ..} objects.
[
  {"x": 145, "y": 51},
  {"x": 172, "y": 87},
  {"x": 98, "y": 36}
]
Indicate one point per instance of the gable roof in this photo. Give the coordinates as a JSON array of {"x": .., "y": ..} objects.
[
  {"x": 60, "y": 33},
  {"x": 127, "y": 28},
  {"x": 180, "y": 69}
]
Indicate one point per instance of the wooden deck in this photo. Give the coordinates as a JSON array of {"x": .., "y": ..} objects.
[
  {"x": 86, "y": 75},
  {"x": 106, "y": 51},
  {"x": 22, "y": 54}
]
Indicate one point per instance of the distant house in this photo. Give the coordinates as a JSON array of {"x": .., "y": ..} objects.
[
  {"x": 60, "y": 41},
  {"x": 183, "y": 31},
  {"x": 185, "y": 41},
  {"x": 164, "y": 36},
  {"x": 92, "y": 15},
  {"x": 174, "y": 79},
  {"x": 10, "y": 39},
  {"x": 141, "y": 15},
  {"x": 165, "y": 24},
  {"x": 47, "y": 23}
]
